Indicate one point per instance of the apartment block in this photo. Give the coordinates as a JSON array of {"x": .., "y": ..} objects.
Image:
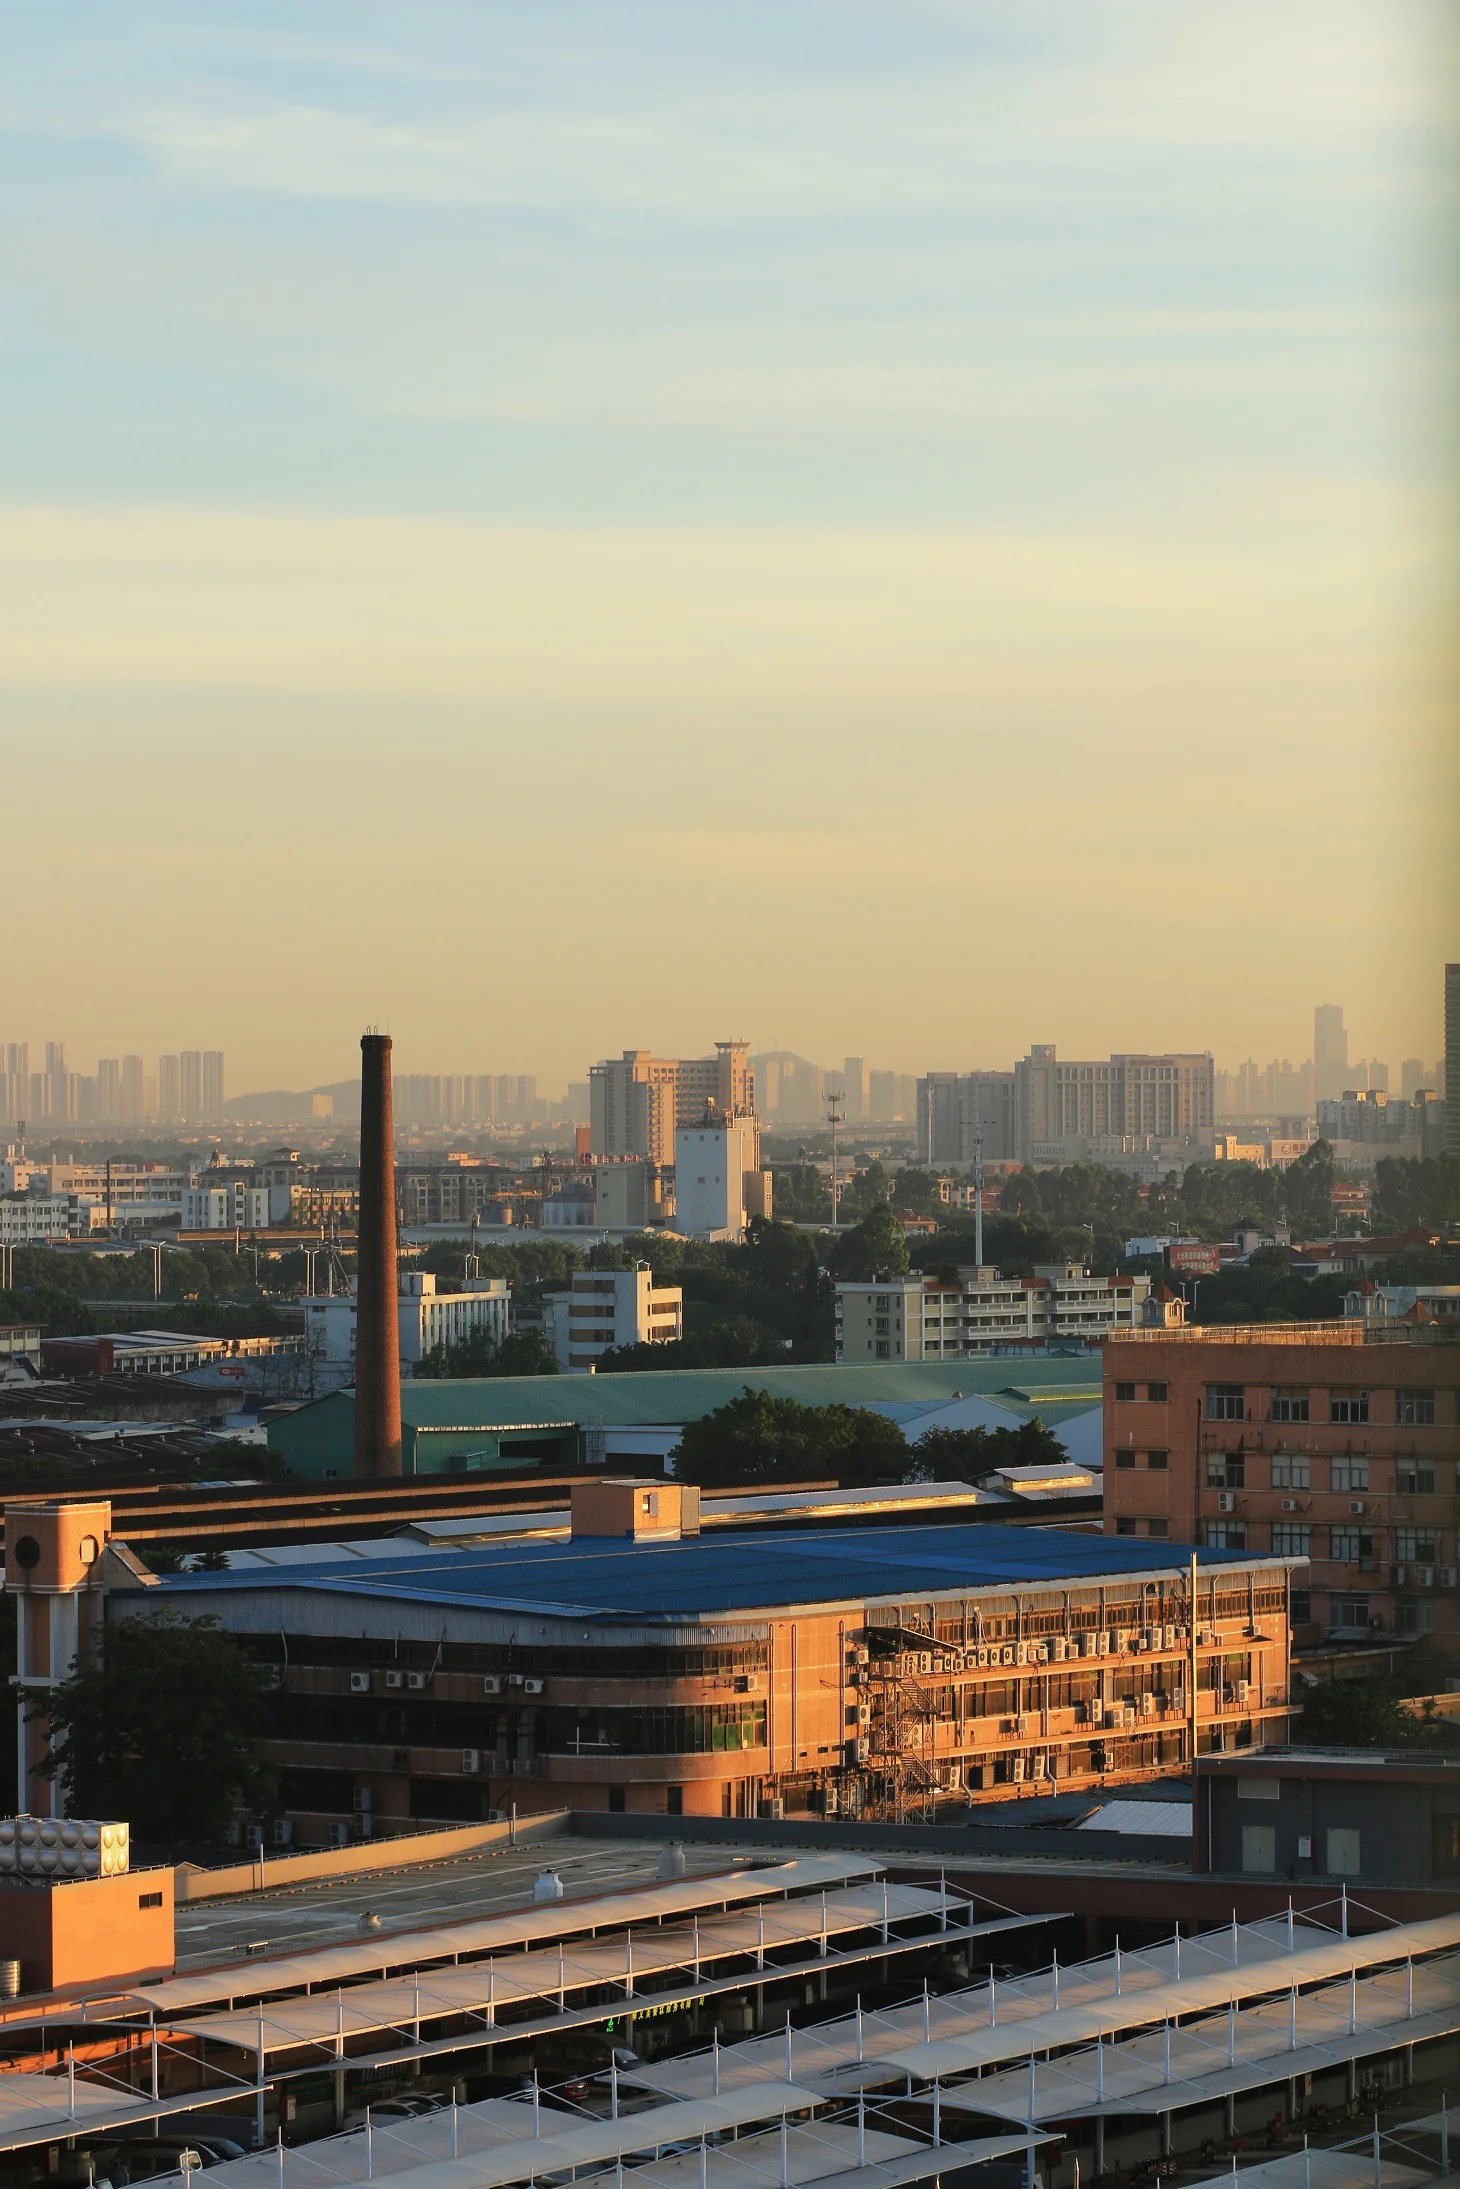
[
  {"x": 954, "y": 1107},
  {"x": 608, "y": 1308},
  {"x": 925, "y": 1318},
  {"x": 637, "y": 1102},
  {"x": 1333, "y": 1443},
  {"x": 1073, "y": 1112}
]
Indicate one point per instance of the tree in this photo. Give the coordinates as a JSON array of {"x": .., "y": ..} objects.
[
  {"x": 876, "y": 1248},
  {"x": 954, "y": 1455},
  {"x": 759, "y": 1439},
  {"x": 163, "y": 1731},
  {"x": 1368, "y": 1714},
  {"x": 521, "y": 1353}
]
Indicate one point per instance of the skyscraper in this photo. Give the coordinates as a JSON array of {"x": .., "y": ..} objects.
[
  {"x": 190, "y": 1085},
  {"x": 169, "y": 1090},
  {"x": 213, "y": 1085},
  {"x": 1330, "y": 1052},
  {"x": 134, "y": 1091}
]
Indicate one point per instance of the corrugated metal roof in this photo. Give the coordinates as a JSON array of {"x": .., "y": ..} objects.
[
  {"x": 684, "y": 1394},
  {"x": 608, "y": 1578},
  {"x": 1161, "y": 1819}
]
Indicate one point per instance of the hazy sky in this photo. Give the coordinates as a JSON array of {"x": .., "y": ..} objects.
[{"x": 914, "y": 528}]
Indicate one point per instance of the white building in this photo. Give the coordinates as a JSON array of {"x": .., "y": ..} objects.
[
  {"x": 923, "y": 1318},
  {"x": 1379, "y": 1304},
  {"x": 1126, "y": 1105},
  {"x": 33, "y": 1219},
  {"x": 428, "y": 1319},
  {"x": 612, "y": 1307},
  {"x": 712, "y": 1163},
  {"x": 231, "y": 1206},
  {"x": 135, "y": 1193}
]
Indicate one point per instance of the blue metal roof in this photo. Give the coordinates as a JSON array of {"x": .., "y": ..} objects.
[{"x": 700, "y": 1576}]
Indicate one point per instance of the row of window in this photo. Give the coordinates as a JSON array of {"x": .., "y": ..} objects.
[
  {"x": 1299, "y": 1471},
  {"x": 1414, "y": 1408},
  {"x": 672, "y": 1730},
  {"x": 1350, "y": 1545}
]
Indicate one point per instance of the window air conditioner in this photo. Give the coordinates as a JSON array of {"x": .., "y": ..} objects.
[
  {"x": 1290, "y": 1504},
  {"x": 395, "y": 1679},
  {"x": 1023, "y": 1726},
  {"x": 1016, "y": 1769},
  {"x": 363, "y": 1802},
  {"x": 1226, "y": 1501},
  {"x": 1148, "y": 1706},
  {"x": 1356, "y": 1505},
  {"x": 359, "y": 1683},
  {"x": 416, "y": 1680},
  {"x": 1425, "y": 1576},
  {"x": 491, "y": 1685},
  {"x": 283, "y": 1832},
  {"x": 533, "y": 1687},
  {"x": 255, "y": 1835},
  {"x": 861, "y": 1750},
  {"x": 1244, "y": 1691},
  {"x": 471, "y": 1759},
  {"x": 1449, "y": 1577}
]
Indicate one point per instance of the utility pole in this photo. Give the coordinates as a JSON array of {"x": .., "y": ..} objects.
[{"x": 833, "y": 1111}]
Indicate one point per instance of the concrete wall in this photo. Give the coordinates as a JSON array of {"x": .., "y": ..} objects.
[{"x": 89, "y": 1931}]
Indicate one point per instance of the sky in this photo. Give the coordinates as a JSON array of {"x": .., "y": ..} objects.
[{"x": 907, "y": 529}]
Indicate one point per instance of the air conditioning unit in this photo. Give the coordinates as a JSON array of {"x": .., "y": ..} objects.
[
  {"x": 471, "y": 1759},
  {"x": 395, "y": 1679},
  {"x": 339, "y": 1835},
  {"x": 533, "y": 1687},
  {"x": 1023, "y": 1727},
  {"x": 1006, "y": 1654},
  {"x": 1148, "y": 1706},
  {"x": 1450, "y": 1577},
  {"x": 981, "y": 1657},
  {"x": 1150, "y": 1638},
  {"x": 255, "y": 1835},
  {"x": 1169, "y": 1638},
  {"x": 1112, "y": 1642},
  {"x": 861, "y": 1750},
  {"x": 1290, "y": 1505},
  {"x": 1244, "y": 1691},
  {"x": 1096, "y": 1711},
  {"x": 1128, "y": 1714},
  {"x": 1177, "y": 1702},
  {"x": 1356, "y": 1506},
  {"x": 864, "y": 1713},
  {"x": 863, "y": 1656},
  {"x": 416, "y": 1680},
  {"x": 1016, "y": 1770},
  {"x": 1059, "y": 1649},
  {"x": 1226, "y": 1501},
  {"x": 491, "y": 1685},
  {"x": 359, "y": 1683},
  {"x": 283, "y": 1832},
  {"x": 515, "y": 1679},
  {"x": 925, "y": 1661},
  {"x": 364, "y": 1801},
  {"x": 1425, "y": 1576}
]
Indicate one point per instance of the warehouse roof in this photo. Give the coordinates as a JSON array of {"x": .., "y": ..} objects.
[
  {"x": 685, "y": 1394},
  {"x": 609, "y": 1578}
]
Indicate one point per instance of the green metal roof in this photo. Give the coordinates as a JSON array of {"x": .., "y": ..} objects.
[{"x": 684, "y": 1394}]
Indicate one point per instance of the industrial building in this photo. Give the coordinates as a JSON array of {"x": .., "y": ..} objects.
[
  {"x": 639, "y": 1666},
  {"x": 1330, "y": 1442},
  {"x": 917, "y": 1318}
]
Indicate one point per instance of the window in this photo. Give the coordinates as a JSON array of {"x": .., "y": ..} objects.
[
  {"x": 1302, "y": 1607},
  {"x": 1158, "y": 1461},
  {"x": 1226, "y": 1402},
  {"x": 1417, "y": 1408},
  {"x": 1157, "y": 1393},
  {"x": 1351, "y": 1544},
  {"x": 674, "y": 1801},
  {"x": 1290, "y": 1538},
  {"x": 1125, "y": 1459},
  {"x": 882, "y": 1349},
  {"x": 1348, "y": 1406},
  {"x": 1226, "y": 1471},
  {"x": 616, "y": 1800},
  {"x": 1289, "y": 1470},
  {"x": 1417, "y": 1543},
  {"x": 1289, "y": 1406},
  {"x": 1348, "y": 1474},
  {"x": 1158, "y": 1527},
  {"x": 1259, "y": 1848},
  {"x": 1343, "y": 1852},
  {"x": 1413, "y": 1480},
  {"x": 1124, "y": 1393},
  {"x": 1227, "y": 1535},
  {"x": 1125, "y": 1527},
  {"x": 1351, "y": 1614},
  {"x": 149, "y": 1900},
  {"x": 1415, "y": 1618},
  {"x": 882, "y": 1303}
]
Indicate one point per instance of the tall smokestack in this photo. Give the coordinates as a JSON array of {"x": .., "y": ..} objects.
[{"x": 377, "y": 1314}]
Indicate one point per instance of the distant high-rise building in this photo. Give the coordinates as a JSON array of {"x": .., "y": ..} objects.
[
  {"x": 190, "y": 1085},
  {"x": 1330, "y": 1052},
  {"x": 1074, "y": 1112},
  {"x": 1452, "y": 1060},
  {"x": 169, "y": 1090},
  {"x": 1411, "y": 1077},
  {"x": 856, "y": 1092},
  {"x": 953, "y": 1108},
  {"x": 637, "y": 1101},
  {"x": 108, "y": 1088},
  {"x": 213, "y": 1086},
  {"x": 133, "y": 1091},
  {"x": 58, "y": 1099}
]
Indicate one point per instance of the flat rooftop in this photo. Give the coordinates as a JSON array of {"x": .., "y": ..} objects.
[{"x": 606, "y": 1578}]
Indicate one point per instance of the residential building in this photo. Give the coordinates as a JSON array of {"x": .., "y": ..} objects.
[
  {"x": 1130, "y": 1104},
  {"x": 449, "y": 1192},
  {"x": 428, "y": 1320},
  {"x": 606, "y": 1308},
  {"x": 1330, "y": 1052},
  {"x": 34, "y": 1219},
  {"x": 230, "y": 1205},
  {"x": 1367, "y": 1114},
  {"x": 1330, "y": 1442},
  {"x": 637, "y": 1101},
  {"x": 212, "y": 1111},
  {"x": 892, "y": 1096},
  {"x": 856, "y": 1090},
  {"x": 1393, "y": 1304},
  {"x": 1452, "y": 1060},
  {"x": 643, "y": 1666},
  {"x": 924, "y": 1318},
  {"x": 169, "y": 1090},
  {"x": 712, "y": 1162},
  {"x": 124, "y": 1193},
  {"x": 951, "y": 1109}
]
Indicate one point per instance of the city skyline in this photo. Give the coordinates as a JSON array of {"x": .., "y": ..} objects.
[{"x": 655, "y": 475}]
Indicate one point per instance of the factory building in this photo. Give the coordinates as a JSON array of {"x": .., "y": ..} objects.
[{"x": 871, "y": 1671}]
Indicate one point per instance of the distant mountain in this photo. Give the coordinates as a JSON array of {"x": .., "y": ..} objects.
[{"x": 291, "y": 1106}]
